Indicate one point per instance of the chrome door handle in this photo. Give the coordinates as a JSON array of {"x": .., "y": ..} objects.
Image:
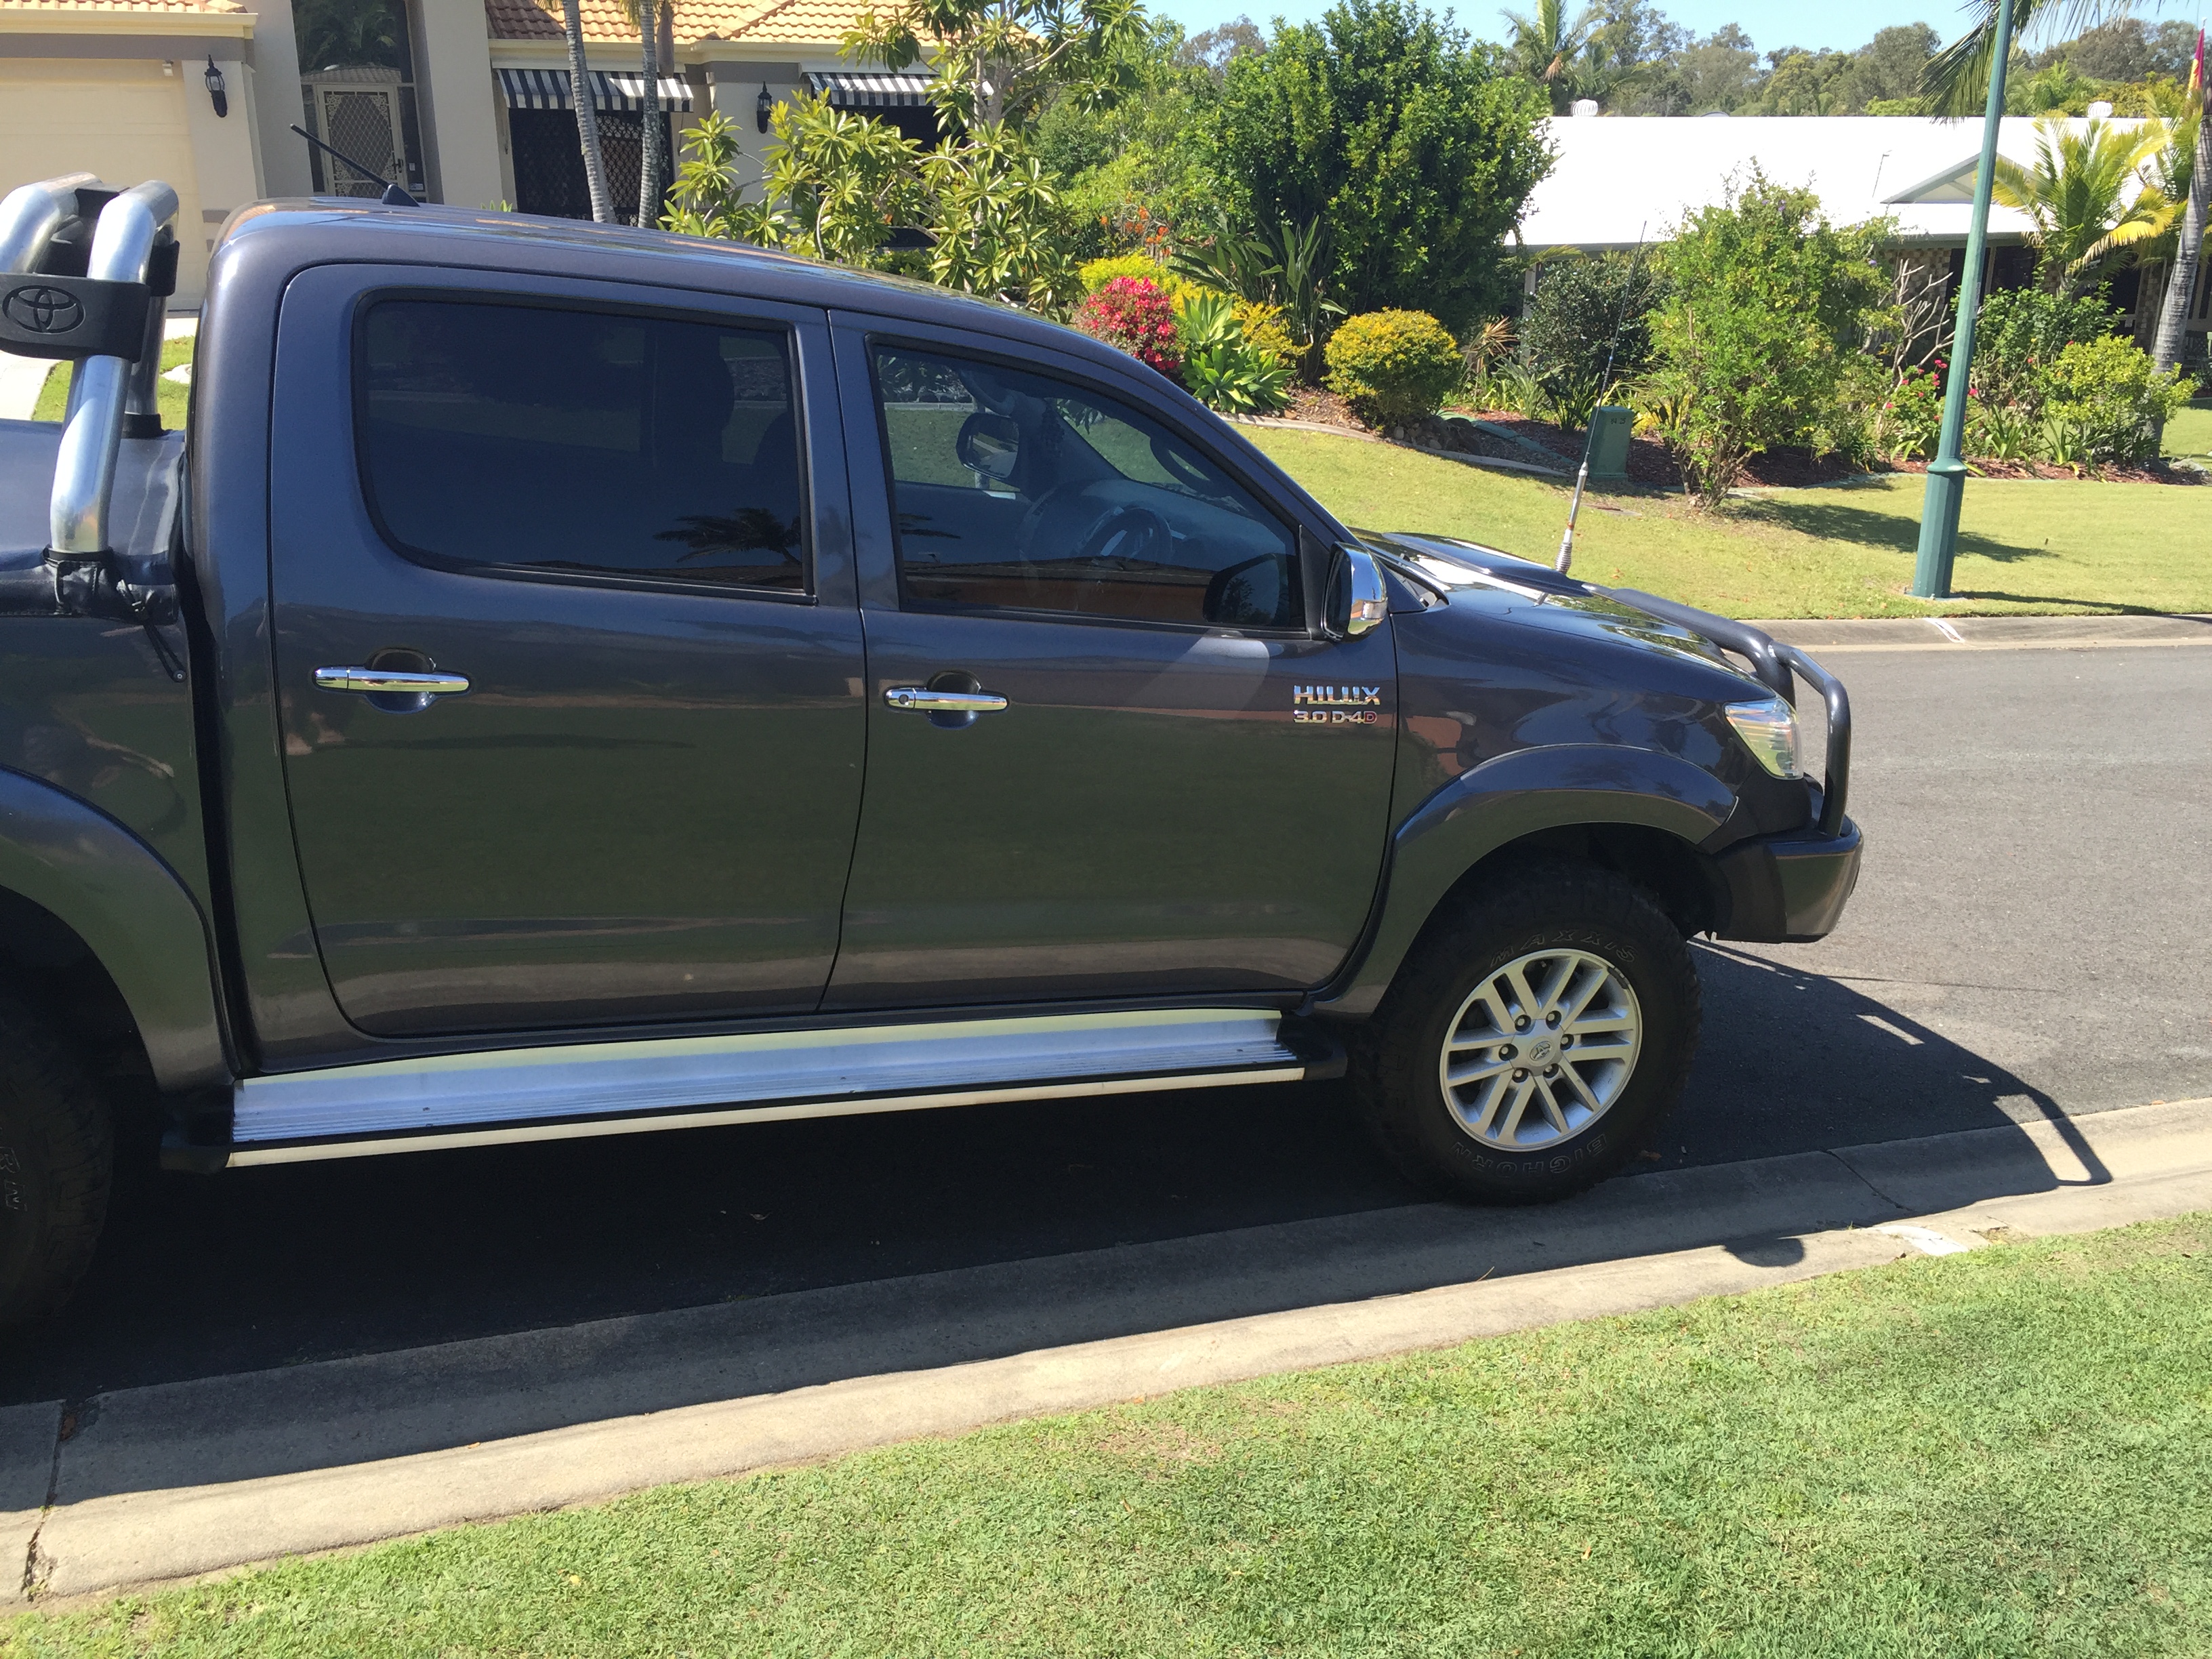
[
  {"x": 385, "y": 679},
  {"x": 922, "y": 700}
]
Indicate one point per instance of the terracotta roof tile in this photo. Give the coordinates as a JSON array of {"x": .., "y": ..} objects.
[
  {"x": 212, "y": 8},
  {"x": 797, "y": 20},
  {"x": 696, "y": 20}
]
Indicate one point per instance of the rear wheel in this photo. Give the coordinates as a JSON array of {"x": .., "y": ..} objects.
[
  {"x": 1534, "y": 1038},
  {"x": 56, "y": 1155}
]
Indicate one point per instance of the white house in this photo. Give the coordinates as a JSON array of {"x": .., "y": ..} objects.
[{"x": 1619, "y": 181}]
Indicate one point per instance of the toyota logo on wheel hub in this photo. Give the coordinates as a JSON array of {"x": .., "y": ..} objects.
[{"x": 43, "y": 310}]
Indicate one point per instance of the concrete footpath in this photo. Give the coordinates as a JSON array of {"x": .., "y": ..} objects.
[{"x": 157, "y": 1484}]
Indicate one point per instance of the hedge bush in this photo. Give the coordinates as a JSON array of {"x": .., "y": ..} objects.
[
  {"x": 2107, "y": 402},
  {"x": 1586, "y": 327},
  {"x": 1094, "y": 274},
  {"x": 1393, "y": 367}
]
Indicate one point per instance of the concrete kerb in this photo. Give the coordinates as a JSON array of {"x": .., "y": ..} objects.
[
  {"x": 1956, "y": 632},
  {"x": 1936, "y": 1194},
  {"x": 29, "y": 1435}
]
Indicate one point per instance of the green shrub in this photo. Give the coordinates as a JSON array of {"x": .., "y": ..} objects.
[
  {"x": 1393, "y": 367},
  {"x": 2018, "y": 335},
  {"x": 1767, "y": 308},
  {"x": 1266, "y": 332},
  {"x": 2107, "y": 402},
  {"x": 1409, "y": 147},
  {"x": 1222, "y": 366},
  {"x": 1588, "y": 316},
  {"x": 1094, "y": 274}
]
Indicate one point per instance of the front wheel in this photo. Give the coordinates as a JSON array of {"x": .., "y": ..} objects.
[{"x": 1534, "y": 1038}]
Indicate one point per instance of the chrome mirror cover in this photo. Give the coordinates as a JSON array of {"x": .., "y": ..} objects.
[{"x": 1358, "y": 600}]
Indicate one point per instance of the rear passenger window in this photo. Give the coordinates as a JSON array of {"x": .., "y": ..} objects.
[{"x": 535, "y": 442}]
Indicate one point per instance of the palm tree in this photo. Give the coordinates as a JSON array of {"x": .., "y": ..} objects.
[
  {"x": 1959, "y": 75},
  {"x": 2078, "y": 195},
  {"x": 587, "y": 114},
  {"x": 1544, "y": 46},
  {"x": 651, "y": 167},
  {"x": 2165, "y": 199}
]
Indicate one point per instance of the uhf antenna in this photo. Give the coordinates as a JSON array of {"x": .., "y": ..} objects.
[
  {"x": 393, "y": 195},
  {"x": 1590, "y": 437}
]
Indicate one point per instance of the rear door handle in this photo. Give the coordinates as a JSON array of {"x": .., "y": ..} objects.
[
  {"x": 922, "y": 700},
  {"x": 372, "y": 680}
]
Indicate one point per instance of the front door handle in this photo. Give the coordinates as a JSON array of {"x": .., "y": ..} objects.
[
  {"x": 375, "y": 680},
  {"x": 922, "y": 700}
]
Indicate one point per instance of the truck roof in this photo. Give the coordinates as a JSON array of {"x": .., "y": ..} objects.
[{"x": 318, "y": 229}]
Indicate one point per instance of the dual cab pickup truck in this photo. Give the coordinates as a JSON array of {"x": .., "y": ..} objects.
[{"x": 576, "y": 681}]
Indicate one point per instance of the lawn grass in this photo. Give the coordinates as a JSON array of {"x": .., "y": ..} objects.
[
  {"x": 2000, "y": 1454},
  {"x": 171, "y": 397},
  {"x": 2023, "y": 545},
  {"x": 2190, "y": 432}
]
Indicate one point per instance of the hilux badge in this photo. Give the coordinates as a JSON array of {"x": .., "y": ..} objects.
[{"x": 1335, "y": 705}]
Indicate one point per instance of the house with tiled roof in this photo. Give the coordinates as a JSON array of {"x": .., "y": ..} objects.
[
  {"x": 741, "y": 56},
  {"x": 127, "y": 89},
  {"x": 465, "y": 102}
]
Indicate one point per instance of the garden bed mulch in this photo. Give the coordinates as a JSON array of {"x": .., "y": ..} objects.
[
  {"x": 1650, "y": 464},
  {"x": 2160, "y": 474}
]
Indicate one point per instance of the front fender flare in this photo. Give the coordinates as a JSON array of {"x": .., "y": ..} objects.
[
  {"x": 1499, "y": 802},
  {"x": 115, "y": 893}
]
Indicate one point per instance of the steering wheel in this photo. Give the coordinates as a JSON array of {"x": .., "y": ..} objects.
[{"x": 1130, "y": 534}]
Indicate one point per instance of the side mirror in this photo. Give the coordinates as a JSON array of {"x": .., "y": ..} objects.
[
  {"x": 989, "y": 445},
  {"x": 1357, "y": 600}
]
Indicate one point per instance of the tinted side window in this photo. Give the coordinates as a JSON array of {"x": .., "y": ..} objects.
[
  {"x": 1015, "y": 490},
  {"x": 524, "y": 438}
]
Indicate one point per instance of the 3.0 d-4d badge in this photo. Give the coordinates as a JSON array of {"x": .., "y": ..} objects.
[{"x": 1335, "y": 705}]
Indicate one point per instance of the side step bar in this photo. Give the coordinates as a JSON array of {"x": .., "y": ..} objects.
[{"x": 628, "y": 1088}]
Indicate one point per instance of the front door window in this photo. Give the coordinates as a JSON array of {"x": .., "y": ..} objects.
[{"x": 1017, "y": 491}]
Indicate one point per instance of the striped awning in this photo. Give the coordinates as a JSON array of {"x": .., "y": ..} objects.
[
  {"x": 611, "y": 89},
  {"x": 872, "y": 91}
]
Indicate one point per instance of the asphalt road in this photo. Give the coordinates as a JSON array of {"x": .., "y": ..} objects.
[{"x": 2028, "y": 939}]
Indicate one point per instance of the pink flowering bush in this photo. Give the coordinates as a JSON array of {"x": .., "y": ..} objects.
[
  {"x": 1135, "y": 315},
  {"x": 1910, "y": 417}
]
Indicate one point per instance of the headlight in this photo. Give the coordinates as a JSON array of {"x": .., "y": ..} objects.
[{"x": 1769, "y": 730}]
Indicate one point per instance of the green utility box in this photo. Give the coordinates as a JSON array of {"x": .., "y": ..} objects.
[{"x": 1609, "y": 440}]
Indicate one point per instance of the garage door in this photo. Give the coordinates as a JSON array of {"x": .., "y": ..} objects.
[{"x": 123, "y": 120}]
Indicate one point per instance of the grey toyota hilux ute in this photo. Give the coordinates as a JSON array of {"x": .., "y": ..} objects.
[{"x": 568, "y": 680}]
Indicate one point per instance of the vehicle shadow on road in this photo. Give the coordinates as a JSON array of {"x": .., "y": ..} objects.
[{"x": 453, "y": 1298}]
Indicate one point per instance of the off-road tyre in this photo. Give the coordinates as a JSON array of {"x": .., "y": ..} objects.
[
  {"x": 56, "y": 1159},
  {"x": 1529, "y": 908}
]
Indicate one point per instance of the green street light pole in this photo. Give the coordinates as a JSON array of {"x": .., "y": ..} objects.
[{"x": 1947, "y": 473}]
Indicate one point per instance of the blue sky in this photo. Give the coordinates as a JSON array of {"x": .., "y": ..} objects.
[{"x": 1769, "y": 22}]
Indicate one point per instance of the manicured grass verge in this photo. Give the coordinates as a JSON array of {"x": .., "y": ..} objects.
[
  {"x": 2023, "y": 545},
  {"x": 53, "y": 397},
  {"x": 2000, "y": 1454},
  {"x": 2190, "y": 431}
]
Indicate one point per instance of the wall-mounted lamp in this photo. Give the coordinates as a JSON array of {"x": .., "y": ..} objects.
[
  {"x": 218, "y": 93},
  {"x": 763, "y": 106}
]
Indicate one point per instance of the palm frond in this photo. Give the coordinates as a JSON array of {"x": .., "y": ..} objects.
[{"x": 1956, "y": 80}]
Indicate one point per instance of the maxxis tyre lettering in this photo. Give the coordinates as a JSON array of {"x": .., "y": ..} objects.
[
  {"x": 1528, "y": 906},
  {"x": 57, "y": 1160}
]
